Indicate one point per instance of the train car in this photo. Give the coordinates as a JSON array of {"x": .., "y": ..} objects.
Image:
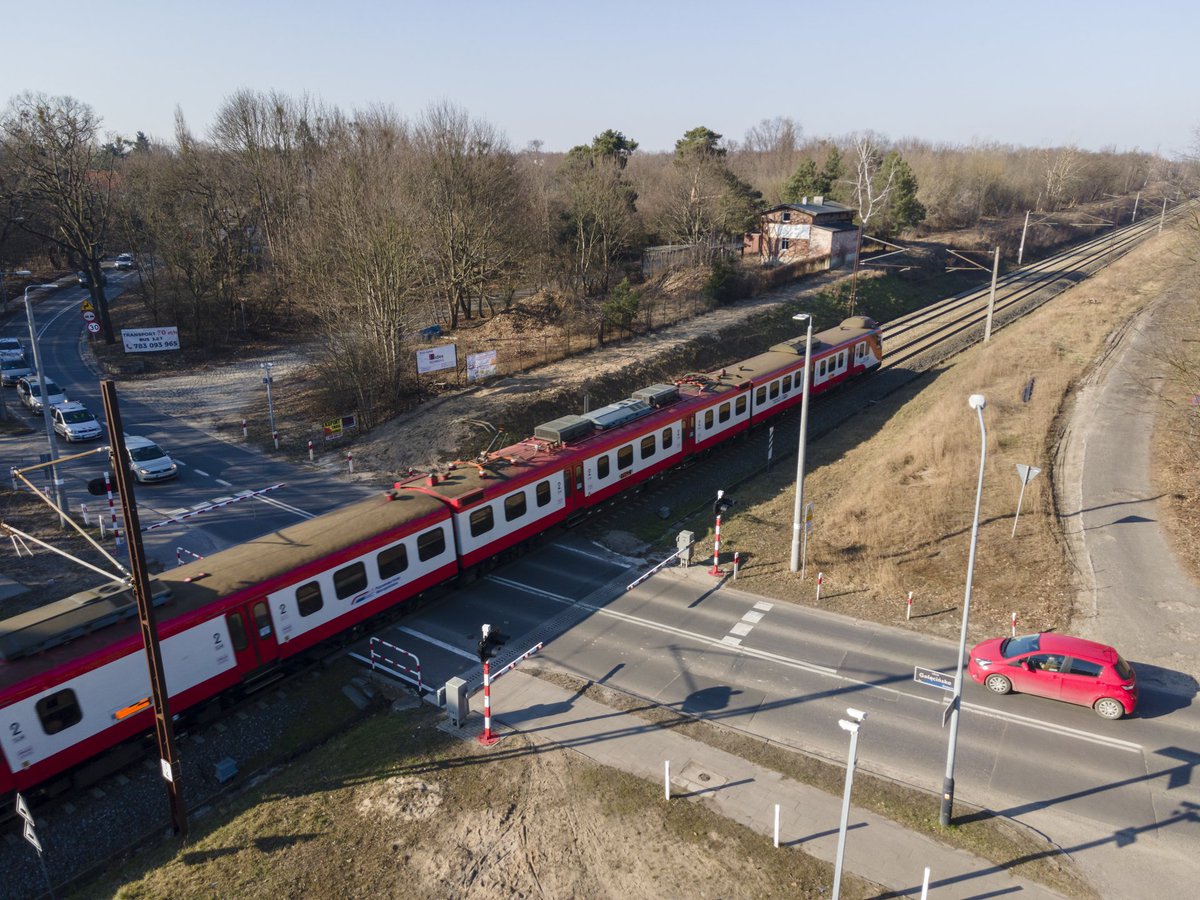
[{"x": 73, "y": 677}]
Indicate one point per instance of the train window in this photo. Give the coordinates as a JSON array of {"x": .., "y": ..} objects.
[
  {"x": 392, "y": 561},
  {"x": 543, "y": 493},
  {"x": 667, "y": 437},
  {"x": 308, "y": 598},
  {"x": 760, "y": 396},
  {"x": 237, "y": 631},
  {"x": 58, "y": 711},
  {"x": 649, "y": 446},
  {"x": 821, "y": 369},
  {"x": 786, "y": 383},
  {"x": 625, "y": 457},
  {"x": 602, "y": 467},
  {"x": 349, "y": 580},
  {"x": 708, "y": 419},
  {"x": 725, "y": 411},
  {"x": 482, "y": 521},
  {"x": 860, "y": 350},
  {"x": 430, "y": 544},
  {"x": 740, "y": 406},
  {"x": 514, "y": 506},
  {"x": 843, "y": 358},
  {"x": 774, "y": 390},
  {"x": 262, "y": 619}
]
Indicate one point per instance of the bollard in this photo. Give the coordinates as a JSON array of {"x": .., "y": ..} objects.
[
  {"x": 245, "y": 431},
  {"x": 925, "y": 885},
  {"x": 83, "y": 509},
  {"x": 310, "y": 451},
  {"x": 820, "y": 581},
  {"x": 736, "y": 563},
  {"x": 1014, "y": 624},
  {"x": 275, "y": 438},
  {"x": 667, "y": 779},
  {"x": 776, "y": 825},
  {"x": 100, "y": 519},
  {"x": 350, "y": 462},
  {"x": 908, "y": 608}
]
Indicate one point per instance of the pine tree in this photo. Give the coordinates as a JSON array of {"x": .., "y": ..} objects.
[{"x": 803, "y": 183}]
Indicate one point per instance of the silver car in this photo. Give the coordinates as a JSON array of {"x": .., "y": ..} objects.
[
  {"x": 74, "y": 422},
  {"x": 13, "y": 367},
  {"x": 29, "y": 389}
]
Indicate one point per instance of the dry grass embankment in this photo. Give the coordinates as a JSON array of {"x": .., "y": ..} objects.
[{"x": 894, "y": 489}]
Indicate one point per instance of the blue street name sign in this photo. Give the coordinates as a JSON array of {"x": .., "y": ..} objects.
[{"x": 933, "y": 678}]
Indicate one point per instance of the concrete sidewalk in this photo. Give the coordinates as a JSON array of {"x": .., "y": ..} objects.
[{"x": 876, "y": 848}]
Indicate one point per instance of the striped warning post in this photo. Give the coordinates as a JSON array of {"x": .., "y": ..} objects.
[
  {"x": 716, "y": 566},
  {"x": 487, "y": 738}
]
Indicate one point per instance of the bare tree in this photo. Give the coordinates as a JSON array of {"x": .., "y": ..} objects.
[
  {"x": 471, "y": 216},
  {"x": 63, "y": 180}
]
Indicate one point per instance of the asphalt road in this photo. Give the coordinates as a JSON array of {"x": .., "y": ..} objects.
[
  {"x": 210, "y": 471},
  {"x": 787, "y": 673}
]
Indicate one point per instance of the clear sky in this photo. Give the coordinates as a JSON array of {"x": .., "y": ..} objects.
[{"x": 1096, "y": 74}]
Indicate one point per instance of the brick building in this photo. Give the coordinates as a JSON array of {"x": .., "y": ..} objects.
[{"x": 794, "y": 232}]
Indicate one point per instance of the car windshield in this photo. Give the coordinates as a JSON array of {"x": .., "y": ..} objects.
[
  {"x": 145, "y": 454},
  {"x": 1026, "y": 643},
  {"x": 77, "y": 416},
  {"x": 16, "y": 363}
]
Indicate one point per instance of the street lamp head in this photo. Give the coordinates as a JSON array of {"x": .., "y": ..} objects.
[
  {"x": 976, "y": 401},
  {"x": 856, "y": 714},
  {"x": 21, "y": 273},
  {"x": 800, "y": 317},
  {"x": 851, "y": 727}
]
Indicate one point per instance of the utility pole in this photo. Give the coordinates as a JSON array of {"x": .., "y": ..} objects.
[
  {"x": 1136, "y": 201},
  {"x": 163, "y": 728},
  {"x": 1021, "y": 249},
  {"x": 987, "y": 330}
]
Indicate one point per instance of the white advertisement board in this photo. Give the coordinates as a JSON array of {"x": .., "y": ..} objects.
[
  {"x": 434, "y": 359},
  {"x": 481, "y": 365},
  {"x": 150, "y": 340}
]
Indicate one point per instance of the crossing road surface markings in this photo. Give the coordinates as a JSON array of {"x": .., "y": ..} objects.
[
  {"x": 791, "y": 663},
  {"x": 742, "y": 628},
  {"x": 224, "y": 483},
  {"x": 203, "y": 473},
  {"x": 432, "y": 640}
]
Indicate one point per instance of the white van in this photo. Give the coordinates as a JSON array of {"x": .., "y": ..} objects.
[{"x": 147, "y": 461}]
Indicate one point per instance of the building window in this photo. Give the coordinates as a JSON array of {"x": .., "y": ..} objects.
[
  {"x": 308, "y": 598},
  {"x": 542, "y": 493},
  {"x": 392, "y": 561},
  {"x": 482, "y": 521},
  {"x": 514, "y": 506},
  {"x": 58, "y": 711},
  {"x": 648, "y": 446},
  {"x": 349, "y": 581},
  {"x": 783, "y": 245},
  {"x": 668, "y": 437},
  {"x": 430, "y": 544},
  {"x": 787, "y": 217},
  {"x": 602, "y": 467}
]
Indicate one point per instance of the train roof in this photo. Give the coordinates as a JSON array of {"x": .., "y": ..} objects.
[{"x": 94, "y": 620}]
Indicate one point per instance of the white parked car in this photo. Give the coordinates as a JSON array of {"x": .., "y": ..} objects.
[
  {"x": 124, "y": 261},
  {"x": 13, "y": 367},
  {"x": 29, "y": 389},
  {"x": 10, "y": 346},
  {"x": 148, "y": 461},
  {"x": 74, "y": 422}
]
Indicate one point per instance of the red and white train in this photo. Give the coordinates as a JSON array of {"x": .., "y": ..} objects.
[{"x": 73, "y": 676}]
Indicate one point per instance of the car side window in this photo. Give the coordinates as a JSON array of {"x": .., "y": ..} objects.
[
  {"x": 1083, "y": 667},
  {"x": 1044, "y": 662}
]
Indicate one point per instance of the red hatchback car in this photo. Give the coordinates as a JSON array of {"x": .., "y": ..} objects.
[{"x": 1058, "y": 667}]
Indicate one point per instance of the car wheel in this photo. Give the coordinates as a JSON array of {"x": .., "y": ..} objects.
[
  {"x": 998, "y": 684},
  {"x": 1108, "y": 708}
]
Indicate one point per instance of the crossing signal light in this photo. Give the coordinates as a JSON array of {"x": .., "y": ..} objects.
[{"x": 490, "y": 643}]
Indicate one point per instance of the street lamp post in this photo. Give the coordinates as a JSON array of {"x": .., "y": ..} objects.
[
  {"x": 43, "y": 378},
  {"x": 796, "y": 518},
  {"x": 857, "y": 716},
  {"x": 976, "y": 402},
  {"x": 266, "y": 367}
]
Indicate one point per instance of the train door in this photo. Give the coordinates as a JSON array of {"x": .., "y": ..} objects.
[
  {"x": 243, "y": 651},
  {"x": 262, "y": 633}
]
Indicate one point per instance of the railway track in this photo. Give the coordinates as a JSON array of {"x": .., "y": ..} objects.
[{"x": 913, "y": 344}]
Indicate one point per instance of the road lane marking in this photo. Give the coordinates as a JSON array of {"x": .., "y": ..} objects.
[
  {"x": 202, "y": 472},
  {"x": 752, "y": 617},
  {"x": 287, "y": 507},
  {"x": 432, "y": 640},
  {"x": 764, "y": 606},
  {"x": 814, "y": 668},
  {"x": 731, "y": 641},
  {"x": 224, "y": 483},
  {"x": 741, "y": 629}
]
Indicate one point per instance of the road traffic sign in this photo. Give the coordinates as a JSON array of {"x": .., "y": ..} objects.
[
  {"x": 86, "y": 306},
  {"x": 933, "y": 678},
  {"x": 89, "y": 316},
  {"x": 93, "y": 327}
]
